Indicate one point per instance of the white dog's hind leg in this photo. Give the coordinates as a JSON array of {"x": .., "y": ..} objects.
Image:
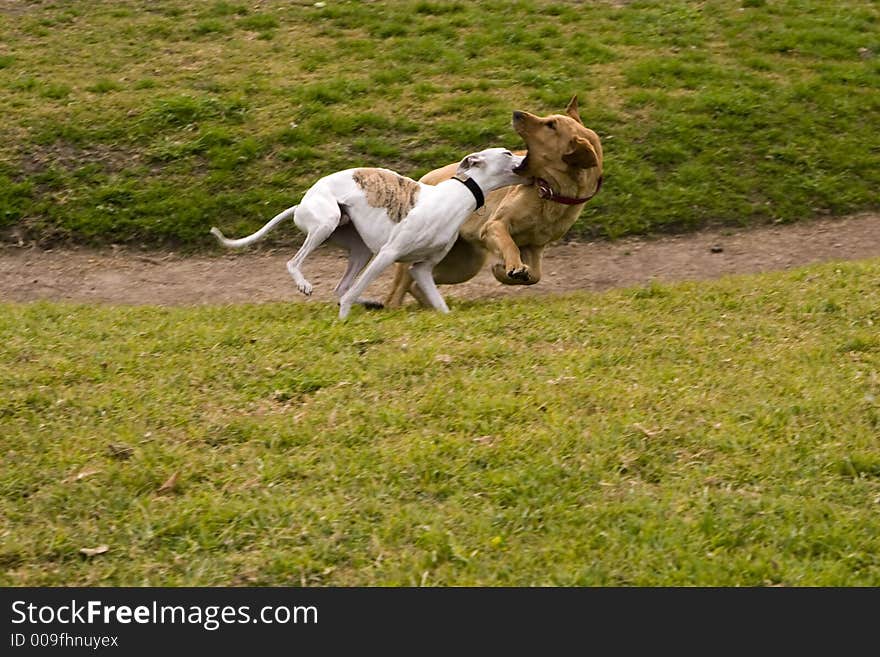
[
  {"x": 317, "y": 219},
  {"x": 422, "y": 273},
  {"x": 384, "y": 259},
  {"x": 359, "y": 255}
]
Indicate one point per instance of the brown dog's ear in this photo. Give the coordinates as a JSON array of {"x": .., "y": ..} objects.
[
  {"x": 581, "y": 154},
  {"x": 572, "y": 109}
]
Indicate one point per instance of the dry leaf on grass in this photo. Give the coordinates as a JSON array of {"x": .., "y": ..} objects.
[
  {"x": 86, "y": 472},
  {"x": 650, "y": 433},
  {"x": 170, "y": 483},
  {"x": 91, "y": 552},
  {"x": 120, "y": 451}
]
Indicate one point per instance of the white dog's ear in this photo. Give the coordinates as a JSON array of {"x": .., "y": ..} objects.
[
  {"x": 572, "y": 109},
  {"x": 471, "y": 162},
  {"x": 581, "y": 154}
]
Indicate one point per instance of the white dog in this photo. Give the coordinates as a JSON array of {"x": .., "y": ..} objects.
[{"x": 395, "y": 218}]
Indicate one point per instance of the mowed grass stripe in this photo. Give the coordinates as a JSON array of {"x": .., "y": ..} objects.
[{"x": 720, "y": 433}]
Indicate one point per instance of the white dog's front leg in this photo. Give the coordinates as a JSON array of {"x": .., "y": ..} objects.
[
  {"x": 422, "y": 273},
  {"x": 384, "y": 259}
]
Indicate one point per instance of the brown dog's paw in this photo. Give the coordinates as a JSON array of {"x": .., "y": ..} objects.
[
  {"x": 369, "y": 304},
  {"x": 518, "y": 276}
]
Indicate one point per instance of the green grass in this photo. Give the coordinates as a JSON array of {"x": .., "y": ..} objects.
[
  {"x": 146, "y": 123},
  {"x": 721, "y": 433}
]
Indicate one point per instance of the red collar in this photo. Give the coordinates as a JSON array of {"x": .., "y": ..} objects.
[{"x": 546, "y": 192}]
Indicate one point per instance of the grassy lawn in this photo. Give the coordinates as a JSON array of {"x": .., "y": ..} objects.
[
  {"x": 707, "y": 434},
  {"x": 129, "y": 121}
]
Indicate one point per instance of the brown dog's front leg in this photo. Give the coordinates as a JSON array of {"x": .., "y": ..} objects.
[
  {"x": 496, "y": 235},
  {"x": 532, "y": 256}
]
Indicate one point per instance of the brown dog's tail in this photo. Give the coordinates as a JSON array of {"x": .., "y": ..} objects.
[{"x": 250, "y": 239}]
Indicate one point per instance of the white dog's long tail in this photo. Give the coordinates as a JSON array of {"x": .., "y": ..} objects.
[{"x": 260, "y": 234}]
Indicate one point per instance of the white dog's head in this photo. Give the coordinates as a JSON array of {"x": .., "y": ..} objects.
[{"x": 492, "y": 168}]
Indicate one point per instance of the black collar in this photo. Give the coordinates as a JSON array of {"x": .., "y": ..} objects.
[{"x": 471, "y": 184}]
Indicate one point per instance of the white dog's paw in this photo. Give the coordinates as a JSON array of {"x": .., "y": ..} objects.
[{"x": 301, "y": 283}]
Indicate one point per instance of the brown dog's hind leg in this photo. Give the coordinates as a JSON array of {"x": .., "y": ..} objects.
[
  {"x": 402, "y": 282},
  {"x": 464, "y": 261}
]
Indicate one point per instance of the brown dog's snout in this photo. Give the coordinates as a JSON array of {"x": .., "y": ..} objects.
[
  {"x": 519, "y": 115},
  {"x": 523, "y": 121}
]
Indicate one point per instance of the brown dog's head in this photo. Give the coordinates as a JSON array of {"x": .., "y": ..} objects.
[{"x": 557, "y": 142}]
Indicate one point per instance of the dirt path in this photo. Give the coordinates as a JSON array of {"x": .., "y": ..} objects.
[{"x": 125, "y": 277}]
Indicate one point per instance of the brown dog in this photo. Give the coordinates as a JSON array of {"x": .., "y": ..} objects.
[{"x": 565, "y": 161}]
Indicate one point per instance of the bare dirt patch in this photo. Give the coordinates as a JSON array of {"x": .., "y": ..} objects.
[{"x": 117, "y": 276}]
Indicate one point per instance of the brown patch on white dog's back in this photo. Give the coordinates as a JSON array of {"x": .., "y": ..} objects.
[{"x": 386, "y": 189}]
